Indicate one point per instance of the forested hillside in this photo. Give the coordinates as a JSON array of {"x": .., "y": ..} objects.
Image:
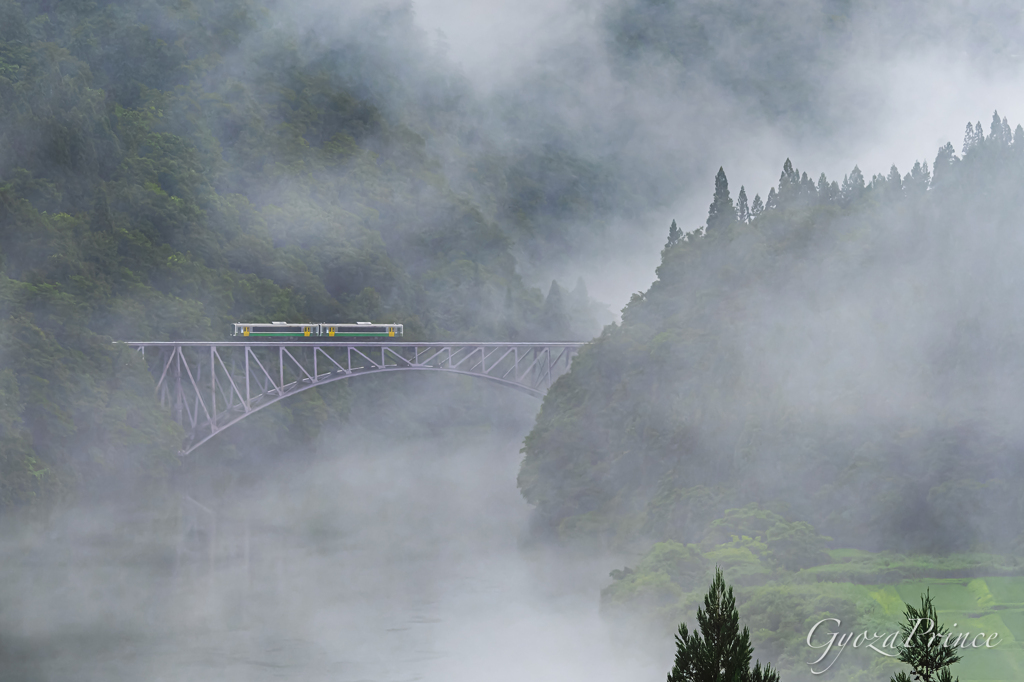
[
  {"x": 167, "y": 169},
  {"x": 843, "y": 353},
  {"x": 819, "y": 394}
]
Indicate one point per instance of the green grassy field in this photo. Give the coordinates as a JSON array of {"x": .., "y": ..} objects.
[{"x": 974, "y": 605}]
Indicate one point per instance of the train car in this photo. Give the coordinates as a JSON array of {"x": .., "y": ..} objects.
[
  {"x": 364, "y": 330},
  {"x": 284, "y": 331},
  {"x": 277, "y": 331}
]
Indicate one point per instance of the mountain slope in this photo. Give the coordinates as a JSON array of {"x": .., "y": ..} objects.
[{"x": 850, "y": 357}]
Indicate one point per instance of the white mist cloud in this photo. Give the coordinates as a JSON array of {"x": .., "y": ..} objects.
[
  {"x": 384, "y": 561},
  {"x": 898, "y": 104},
  {"x": 492, "y": 41}
]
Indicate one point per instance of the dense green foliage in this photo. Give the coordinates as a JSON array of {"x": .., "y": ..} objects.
[
  {"x": 848, "y": 358},
  {"x": 720, "y": 651},
  {"x": 169, "y": 168}
]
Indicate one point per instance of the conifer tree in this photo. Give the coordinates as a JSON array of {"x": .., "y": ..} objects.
[
  {"x": 720, "y": 652},
  {"x": 823, "y": 188},
  {"x": 721, "y": 212},
  {"x": 675, "y": 235},
  {"x": 928, "y": 656},
  {"x": 856, "y": 180},
  {"x": 772, "y": 201},
  {"x": 853, "y": 185},
  {"x": 757, "y": 208},
  {"x": 1018, "y": 138},
  {"x": 742, "y": 210},
  {"x": 894, "y": 183},
  {"x": 856, "y": 187},
  {"x": 807, "y": 191},
  {"x": 789, "y": 174},
  {"x": 916, "y": 181},
  {"x": 942, "y": 168},
  {"x": 995, "y": 131},
  {"x": 968, "y": 138},
  {"x": 789, "y": 184}
]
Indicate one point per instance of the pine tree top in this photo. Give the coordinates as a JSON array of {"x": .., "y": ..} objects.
[
  {"x": 720, "y": 651},
  {"x": 722, "y": 211}
]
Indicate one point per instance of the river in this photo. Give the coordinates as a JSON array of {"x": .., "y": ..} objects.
[{"x": 382, "y": 564}]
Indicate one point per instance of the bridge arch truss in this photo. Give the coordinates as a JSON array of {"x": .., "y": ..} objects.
[{"x": 211, "y": 386}]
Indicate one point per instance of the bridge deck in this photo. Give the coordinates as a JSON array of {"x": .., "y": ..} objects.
[{"x": 420, "y": 344}]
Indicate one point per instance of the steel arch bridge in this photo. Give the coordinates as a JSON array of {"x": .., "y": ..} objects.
[{"x": 211, "y": 386}]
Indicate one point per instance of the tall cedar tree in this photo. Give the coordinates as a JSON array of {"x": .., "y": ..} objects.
[
  {"x": 675, "y": 235},
  {"x": 742, "y": 210},
  {"x": 968, "y": 138},
  {"x": 853, "y": 186},
  {"x": 928, "y": 659},
  {"x": 720, "y": 653},
  {"x": 756, "y": 208},
  {"x": 721, "y": 212}
]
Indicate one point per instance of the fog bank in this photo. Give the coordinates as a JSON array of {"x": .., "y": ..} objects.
[{"x": 383, "y": 562}]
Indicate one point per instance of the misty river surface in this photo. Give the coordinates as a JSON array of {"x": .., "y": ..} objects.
[{"x": 383, "y": 564}]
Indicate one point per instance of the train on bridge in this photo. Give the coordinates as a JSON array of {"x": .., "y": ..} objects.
[
  {"x": 317, "y": 331},
  {"x": 211, "y": 385}
]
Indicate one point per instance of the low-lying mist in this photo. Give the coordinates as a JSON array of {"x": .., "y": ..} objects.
[{"x": 384, "y": 560}]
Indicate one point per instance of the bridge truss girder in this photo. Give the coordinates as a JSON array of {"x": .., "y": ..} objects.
[{"x": 213, "y": 386}]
